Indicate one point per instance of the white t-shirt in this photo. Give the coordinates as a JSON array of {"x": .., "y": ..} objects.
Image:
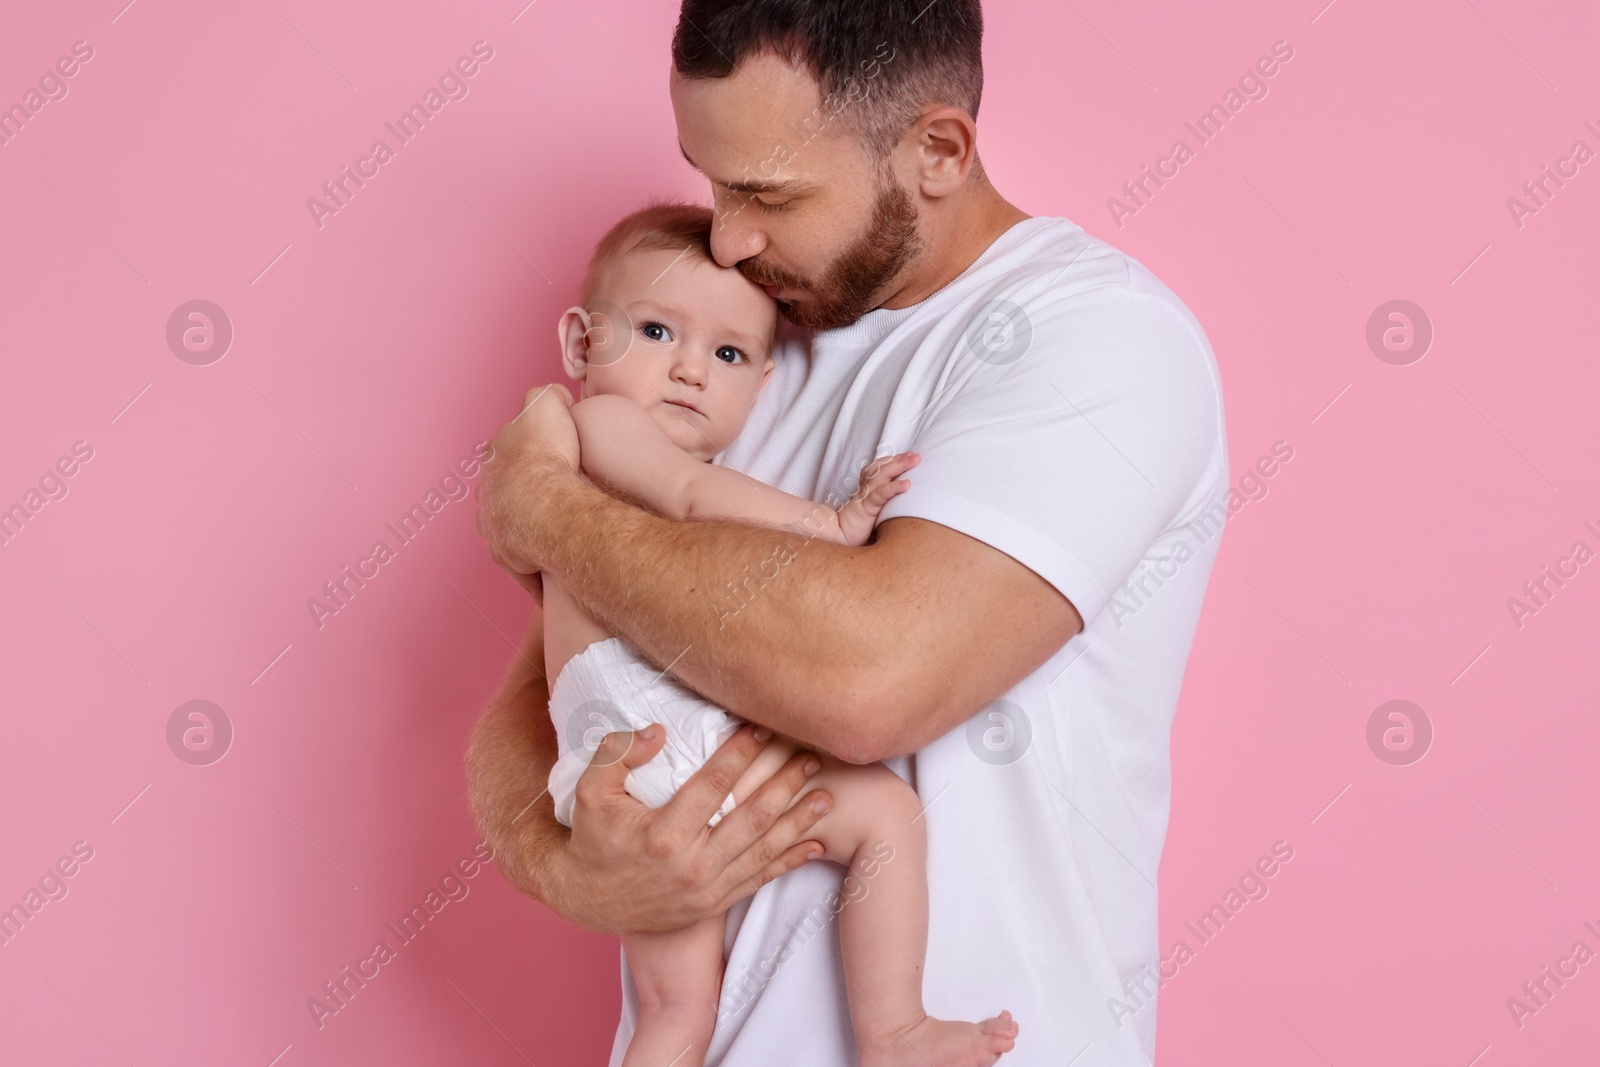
[{"x": 1078, "y": 428}]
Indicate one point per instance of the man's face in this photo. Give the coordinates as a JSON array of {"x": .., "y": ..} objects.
[{"x": 801, "y": 207}]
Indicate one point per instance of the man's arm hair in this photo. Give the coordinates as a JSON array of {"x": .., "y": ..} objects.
[
  {"x": 509, "y": 758},
  {"x": 864, "y": 652}
]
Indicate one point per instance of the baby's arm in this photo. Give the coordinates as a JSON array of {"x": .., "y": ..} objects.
[{"x": 622, "y": 447}]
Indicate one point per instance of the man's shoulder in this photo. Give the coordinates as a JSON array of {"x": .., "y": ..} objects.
[
  {"x": 1067, "y": 318},
  {"x": 1082, "y": 301},
  {"x": 1059, "y": 266}
]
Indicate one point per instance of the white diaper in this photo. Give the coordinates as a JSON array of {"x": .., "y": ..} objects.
[{"x": 608, "y": 687}]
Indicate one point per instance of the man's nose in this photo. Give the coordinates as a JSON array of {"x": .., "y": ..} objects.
[{"x": 734, "y": 234}]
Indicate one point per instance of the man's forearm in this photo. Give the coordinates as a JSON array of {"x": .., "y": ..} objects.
[
  {"x": 509, "y": 758},
  {"x": 778, "y": 627}
]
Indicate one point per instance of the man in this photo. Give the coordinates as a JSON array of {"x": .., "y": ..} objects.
[{"x": 1011, "y": 642}]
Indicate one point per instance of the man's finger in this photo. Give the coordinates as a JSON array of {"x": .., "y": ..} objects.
[
  {"x": 531, "y": 397},
  {"x": 784, "y": 843},
  {"x": 765, "y": 824},
  {"x": 616, "y": 755},
  {"x": 796, "y": 856},
  {"x": 702, "y": 795},
  {"x": 629, "y": 748}
]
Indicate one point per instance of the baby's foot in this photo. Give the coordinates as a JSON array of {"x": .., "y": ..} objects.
[{"x": 940, "y": 1043}]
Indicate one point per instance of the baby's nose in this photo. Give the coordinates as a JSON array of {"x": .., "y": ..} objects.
[{"x": 689, "y": 369}]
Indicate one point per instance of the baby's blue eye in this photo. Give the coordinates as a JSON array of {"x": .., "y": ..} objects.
[
  {"x": 655, "y": 331},
  {"x": 729, "y": 354}
]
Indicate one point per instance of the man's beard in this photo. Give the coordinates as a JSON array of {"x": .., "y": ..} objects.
[{"x": 851, "y": 284}]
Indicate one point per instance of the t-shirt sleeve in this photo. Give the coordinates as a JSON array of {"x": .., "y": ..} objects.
[{"x": 1076, "y": 455}]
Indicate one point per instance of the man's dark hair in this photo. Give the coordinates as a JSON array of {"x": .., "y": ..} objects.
[{"x": 878, "y": 63}]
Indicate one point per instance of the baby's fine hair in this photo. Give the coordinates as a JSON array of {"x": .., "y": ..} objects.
[{"x": 666, "y": 225}]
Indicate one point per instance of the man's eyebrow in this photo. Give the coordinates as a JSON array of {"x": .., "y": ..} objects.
[
  {"x": 754, "y": 187},
  {"x": 757, "y": 186}
]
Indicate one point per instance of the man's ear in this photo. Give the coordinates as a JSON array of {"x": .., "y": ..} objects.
[
  {"x": 946, "y": 144},
  {"x": 573, "y": 331}
]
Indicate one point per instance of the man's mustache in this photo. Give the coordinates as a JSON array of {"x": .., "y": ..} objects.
[{"x": 761, "y": 274}]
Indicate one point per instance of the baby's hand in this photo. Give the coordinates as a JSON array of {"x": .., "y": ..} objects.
[{"x": 878, "y": 487}]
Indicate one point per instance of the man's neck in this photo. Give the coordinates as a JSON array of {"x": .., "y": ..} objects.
[{"x": 954, "y": 242}]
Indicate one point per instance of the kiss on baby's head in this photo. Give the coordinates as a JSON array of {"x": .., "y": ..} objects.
[{"x": 663, "y": 325}]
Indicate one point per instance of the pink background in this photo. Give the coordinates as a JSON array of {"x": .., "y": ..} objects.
[{"x": 375, "y": 351}]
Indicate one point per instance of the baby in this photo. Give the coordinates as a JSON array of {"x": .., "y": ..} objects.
[{"x": 671, "y": 351}]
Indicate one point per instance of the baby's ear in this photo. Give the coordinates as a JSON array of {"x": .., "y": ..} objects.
[
  {"x": 766, "y": 374},
  {"x": 572, "y": 332}
]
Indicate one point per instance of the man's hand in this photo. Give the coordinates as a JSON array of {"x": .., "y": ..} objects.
[
  {"x": 543, "y": 427},
  {"x": 645, "y": 869},
  {"x": 624, "y": 868},
  {"x": 540, "y": 438}
]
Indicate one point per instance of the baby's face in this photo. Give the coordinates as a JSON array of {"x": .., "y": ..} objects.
[{"x": 693, "y": 347}]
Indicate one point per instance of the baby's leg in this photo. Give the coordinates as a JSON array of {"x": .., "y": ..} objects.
[
  {"x": 678, "y": 976},
  {"x": 876, "y": 830}
]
